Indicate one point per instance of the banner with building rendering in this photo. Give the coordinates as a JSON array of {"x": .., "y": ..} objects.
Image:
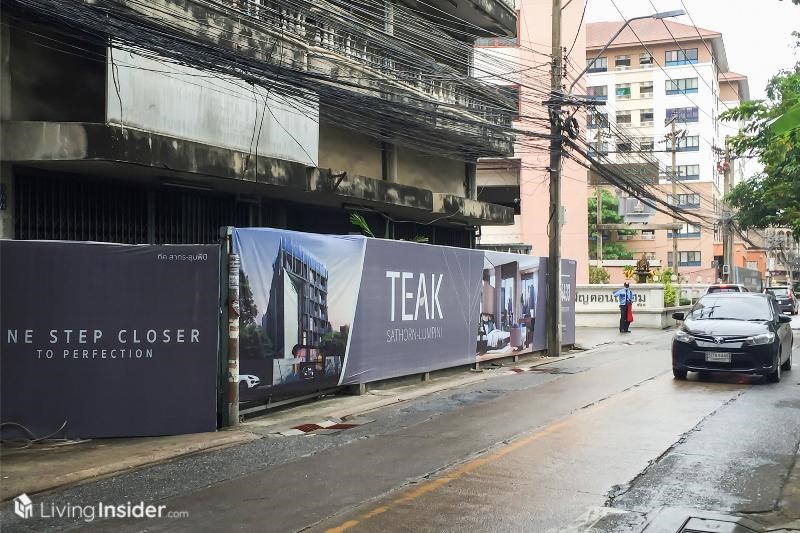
[
  {"x": 105, "y": 340},
  {"x": 319, "y": 311}
]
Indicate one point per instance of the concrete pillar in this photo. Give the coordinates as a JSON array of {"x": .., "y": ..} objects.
[
  {"x": 5, "y": 72},
  {"x": 389, "y": 161},
  {"x": 471, "y": 180},
  {"x": 359, "y": 389},
  {"x": 7, "y": 201},
  {"x": 388, "y": 20}
]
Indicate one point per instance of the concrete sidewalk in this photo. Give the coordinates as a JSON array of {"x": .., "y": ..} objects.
[{"x": 45, "y": 467}]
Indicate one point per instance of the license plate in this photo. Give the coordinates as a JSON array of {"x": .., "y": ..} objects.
[{"x": 718, "y": 357}]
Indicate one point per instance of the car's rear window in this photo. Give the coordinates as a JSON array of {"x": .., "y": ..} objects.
[
  {"x": 779, "y": 292},
  {"x": 732, "y": 288},
  {"x": 744, "y": 307}
]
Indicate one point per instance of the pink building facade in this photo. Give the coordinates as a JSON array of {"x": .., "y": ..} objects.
[{"x": 521, "y": 66}]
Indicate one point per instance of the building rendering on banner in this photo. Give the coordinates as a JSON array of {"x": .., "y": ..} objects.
[
  {"x": 655, "y": 75},
  {"x": 297, "y": 315},
  {"x": 519, "y": 67},
  {"x": 178, "y": 117}
]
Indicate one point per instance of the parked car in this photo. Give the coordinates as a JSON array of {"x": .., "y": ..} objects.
[
  {"x": 787, "y": 300},
  {"x": 733, "y": 332},
  {"x": 726, "y": 287}
]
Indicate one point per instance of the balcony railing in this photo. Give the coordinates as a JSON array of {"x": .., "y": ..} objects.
[{"x": 369, "y": 52}]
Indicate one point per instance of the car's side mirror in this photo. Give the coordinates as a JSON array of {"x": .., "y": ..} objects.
[
  {"x": 784, "y": 319},
  {"x": 678, "y": 316}
]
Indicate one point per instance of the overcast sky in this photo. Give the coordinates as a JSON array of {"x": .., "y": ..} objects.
[{"x": 756, "y": 32}]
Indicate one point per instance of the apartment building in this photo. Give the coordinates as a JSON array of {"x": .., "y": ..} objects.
[
  {"x": 655, "y": 75},
  {"x": 160, "y": 121}
]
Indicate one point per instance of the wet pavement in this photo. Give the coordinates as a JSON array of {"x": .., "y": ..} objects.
[{"x": 605, "y": 441}]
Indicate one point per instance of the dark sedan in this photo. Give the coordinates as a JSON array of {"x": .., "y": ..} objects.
[
  {"x": 787, "y": 301},
  {"x": 733, "y": 332}
]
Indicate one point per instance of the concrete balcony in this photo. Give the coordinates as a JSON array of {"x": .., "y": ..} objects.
[
  {"x": 495, "y": 17},
  {"x": 370, "y": 59}
]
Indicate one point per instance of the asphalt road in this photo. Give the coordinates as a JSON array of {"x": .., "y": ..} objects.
[{"x": 601, "y": 442}]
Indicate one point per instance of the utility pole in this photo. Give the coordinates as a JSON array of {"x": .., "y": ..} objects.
[
  {"x": 674, "y": 178},
  {"x": 597, "y": 147},
  {"x": 727, "y": 228},
  {"x": 553, "y": 315}
]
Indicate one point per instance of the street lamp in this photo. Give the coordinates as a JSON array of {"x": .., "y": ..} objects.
[{"x": 657, "y": 16}]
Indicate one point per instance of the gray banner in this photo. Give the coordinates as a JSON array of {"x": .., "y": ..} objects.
[
  {"x": 417, "y": 310},
  {"x": 109, "y": 340}
]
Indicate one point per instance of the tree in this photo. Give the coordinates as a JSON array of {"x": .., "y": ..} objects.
[
  {"x": 616, "y": 250},
  {"x": 598, "y": 275},
  {"x": 253, "y": 340},
  {"x": 771, "y": 198},
  {"x": 248, "y": 311},
  {"x": 611, "y": 250}
]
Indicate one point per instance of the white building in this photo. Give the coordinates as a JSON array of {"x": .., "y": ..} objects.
[{"x": 653, "y": 71}]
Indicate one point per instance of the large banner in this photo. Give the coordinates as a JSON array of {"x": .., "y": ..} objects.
[
  {"x": 319, "y": 311},
  {"x": 108, "y": 340}
]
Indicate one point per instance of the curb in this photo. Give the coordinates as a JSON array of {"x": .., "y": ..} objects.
[
  {"x": 88, "y": 475},
  {"x": 252, "y": 430}
]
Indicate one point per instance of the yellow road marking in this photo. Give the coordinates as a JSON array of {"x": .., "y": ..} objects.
[{"x": 432, "y": 485}]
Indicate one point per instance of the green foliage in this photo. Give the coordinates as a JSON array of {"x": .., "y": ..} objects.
[
  {"x": 247, "y": 305},
  {"x": 612, "y": 250},
  {"x": 254, "y": 343},
  {"x": 598, "y": 275},
  {"x": 669, "y": 294},
  {"x": 616, "y": 250},
  {"x": 361, "y": 223},
  {"x": 253, "y": 340},
  {"x": 334, "y": 342},
  {"x": 609, "y": 212},
  {"x": 771, "y": 198}
]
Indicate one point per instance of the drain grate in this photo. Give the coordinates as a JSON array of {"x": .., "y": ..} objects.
[
  {"x": 706, "y": 525},
  {"x": 683, "y": 520},
  {"x": 557, "y": 370}
]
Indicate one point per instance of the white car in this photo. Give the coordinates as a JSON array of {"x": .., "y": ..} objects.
[
  {"x": 250, "y": 380},
  {"x": 726, "y": 287}
]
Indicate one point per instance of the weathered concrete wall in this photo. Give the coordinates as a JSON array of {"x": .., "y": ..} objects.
[
  {"x": 361, "y": 155},
  {"x": 432, "y": 172},
  {"x": 345, "y": 150},
  {"x": 222, "y": 111},
  {"x": 474, "y": 211},
  {"x": 46, "y": 141},
  {"x": 5, "y": 72},
  {"x": 48, "y": 81}
]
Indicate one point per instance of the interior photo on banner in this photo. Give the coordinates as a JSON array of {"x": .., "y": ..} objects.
[{"x": 510, "y": 306}]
